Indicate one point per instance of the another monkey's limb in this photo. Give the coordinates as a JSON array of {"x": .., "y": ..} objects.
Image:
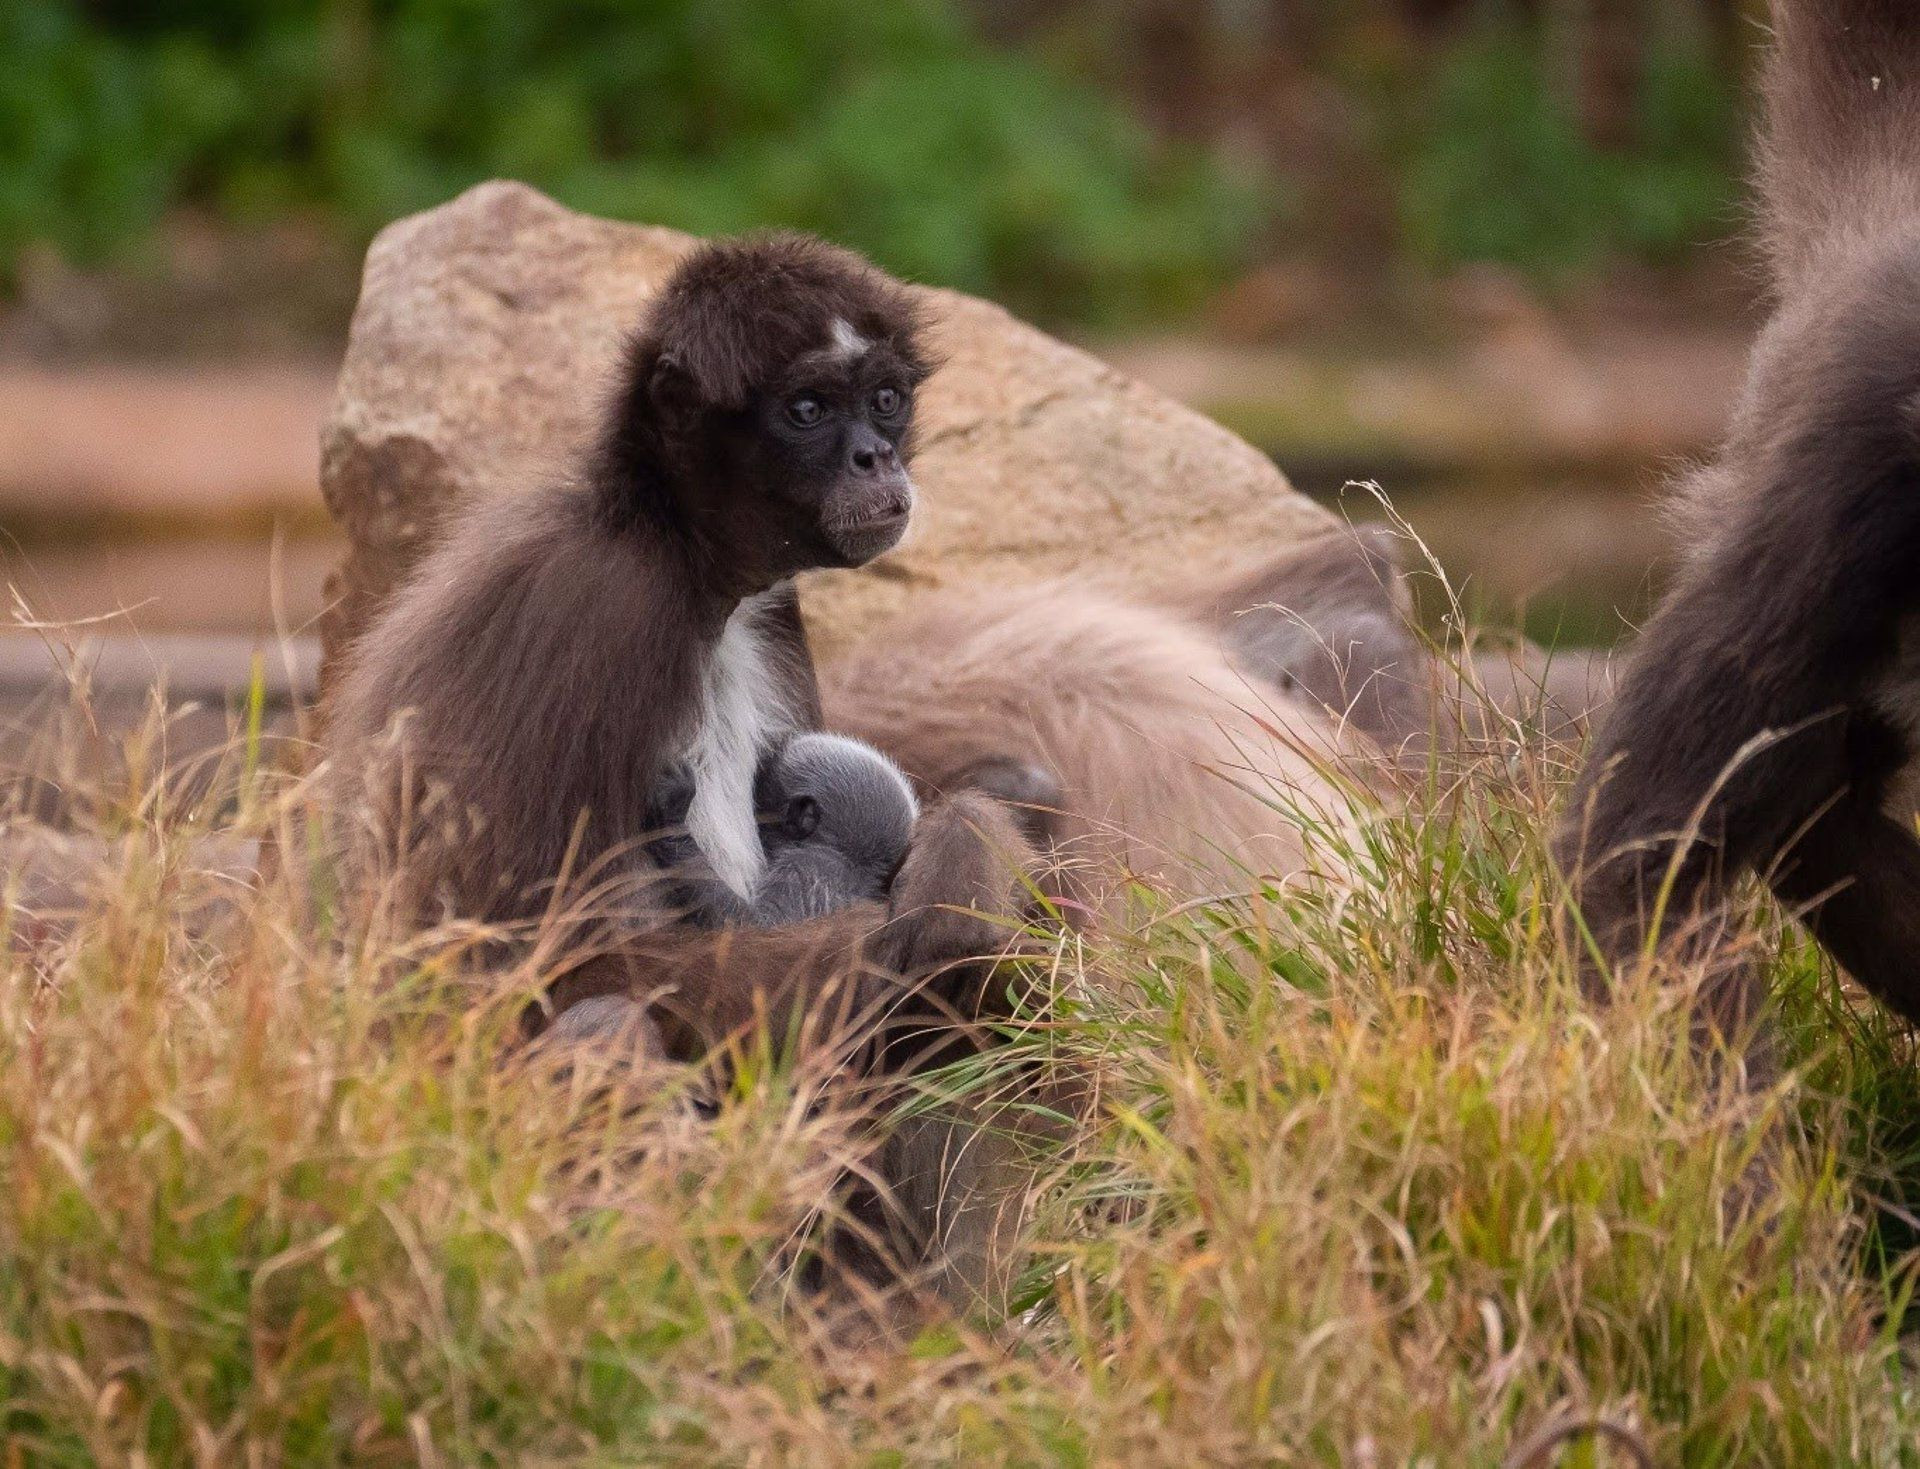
[
  {"x": 705, "y": 985},
  {"x": 1689, "y": 784},
  {"x": 959, "y": 1183},
  {"x": 1750, "y": 703},
  {"x": 1032, "y": 794},
  {"x": 941, "y": 1209},
  {"x": 957, "y": 905},
  {"x": 1849, "y": 870},
  {"x": 1618, "y": 900},
  {"x": 1854, "y": 877}
]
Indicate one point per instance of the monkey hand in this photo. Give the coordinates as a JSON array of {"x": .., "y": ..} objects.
[{"x": 958, "y": 904}]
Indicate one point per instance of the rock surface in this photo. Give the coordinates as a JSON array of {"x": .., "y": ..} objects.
[{"x": 487, "y": 330}]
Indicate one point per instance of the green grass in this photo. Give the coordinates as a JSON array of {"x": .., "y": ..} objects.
[{"x": 1370, "y": 1184}]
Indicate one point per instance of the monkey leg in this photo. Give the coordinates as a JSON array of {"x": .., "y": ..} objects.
[
  {"x": 706, "y": 986},
  {"x": 1620, "y": 897},
  {"x": 934, "y": 1218},
  {"x": 921, "y": 959},
  {"x": 960, "y": 1185},
  {"x": 938, "y": 1217},
  {"x": 1854, "y": 879}
]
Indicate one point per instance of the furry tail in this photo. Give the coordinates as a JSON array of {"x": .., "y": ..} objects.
[{"x": 1840, "y": 146}]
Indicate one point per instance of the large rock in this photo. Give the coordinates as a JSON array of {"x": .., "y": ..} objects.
[{"x": 487, "y": 330}]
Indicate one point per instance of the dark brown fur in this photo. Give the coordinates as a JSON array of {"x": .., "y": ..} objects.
[{"x": 1771, "y": 704}]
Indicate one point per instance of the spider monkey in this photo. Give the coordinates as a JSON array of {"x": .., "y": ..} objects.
[
  {"x": 503, "y": 730},
  {"x": 1770, "y": 715}
]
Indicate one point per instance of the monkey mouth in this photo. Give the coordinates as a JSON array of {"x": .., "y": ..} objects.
[{"x": 859, "y": 541}]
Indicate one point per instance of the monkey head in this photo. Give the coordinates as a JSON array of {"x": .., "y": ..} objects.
[
  {"x": 836, "y": 817},
  {"x": 771, "y": 389},
  {"x": 829, "y": 801}
]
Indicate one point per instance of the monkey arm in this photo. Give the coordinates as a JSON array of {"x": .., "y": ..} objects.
[
  {"x": 1729, "y": 736},
  {"x": 961, "y": 891},
  {"x": 924, "y": 957},
  {"x": 786, "y": 632}
]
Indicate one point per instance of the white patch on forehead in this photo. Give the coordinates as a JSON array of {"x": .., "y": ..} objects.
[
  {"x": 846, "y": 341},
  {"x": 744, "y": 707}
]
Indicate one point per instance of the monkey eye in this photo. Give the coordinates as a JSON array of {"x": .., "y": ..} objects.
[
  {"x": 802, "y": 818},
  {"x": 886, "y": 402},
  {"x": 805, "y": 410}
]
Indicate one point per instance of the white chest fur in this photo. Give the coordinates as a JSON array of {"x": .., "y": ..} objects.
[{"x": 744, "y": 707}]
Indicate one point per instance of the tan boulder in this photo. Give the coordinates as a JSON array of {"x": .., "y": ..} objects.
[{"x": 488, "y": 328}]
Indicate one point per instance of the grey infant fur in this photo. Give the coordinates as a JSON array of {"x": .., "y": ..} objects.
[{"x": 835, "y": 820}]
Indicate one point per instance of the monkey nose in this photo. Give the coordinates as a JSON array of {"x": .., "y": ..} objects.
[{"x": 871, "y": 457}]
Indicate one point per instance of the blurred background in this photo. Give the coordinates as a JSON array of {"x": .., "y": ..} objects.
[{"x": 1482, "y": 252}]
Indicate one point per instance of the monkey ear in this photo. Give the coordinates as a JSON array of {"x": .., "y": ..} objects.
[{"x": 672, "y": 390}]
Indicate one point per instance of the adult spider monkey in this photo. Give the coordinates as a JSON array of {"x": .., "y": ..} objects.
[
  {"x": 503, "y": 729},
  {"x": 1771, "y": 712}
]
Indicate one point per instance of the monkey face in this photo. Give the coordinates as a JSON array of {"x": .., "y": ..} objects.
[
  {"x": 829, "y": 452},
  {"x": 829, "y": 793}
]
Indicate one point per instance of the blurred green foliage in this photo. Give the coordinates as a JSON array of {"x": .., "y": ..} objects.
[
  {"x": 1014, "y": 164},
  {"x": 1494, "y": 166},
  {"x": 887, "y": 124}
]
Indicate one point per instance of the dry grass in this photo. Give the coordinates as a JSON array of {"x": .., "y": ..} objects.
[{"x": 270, "y": 1196}]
